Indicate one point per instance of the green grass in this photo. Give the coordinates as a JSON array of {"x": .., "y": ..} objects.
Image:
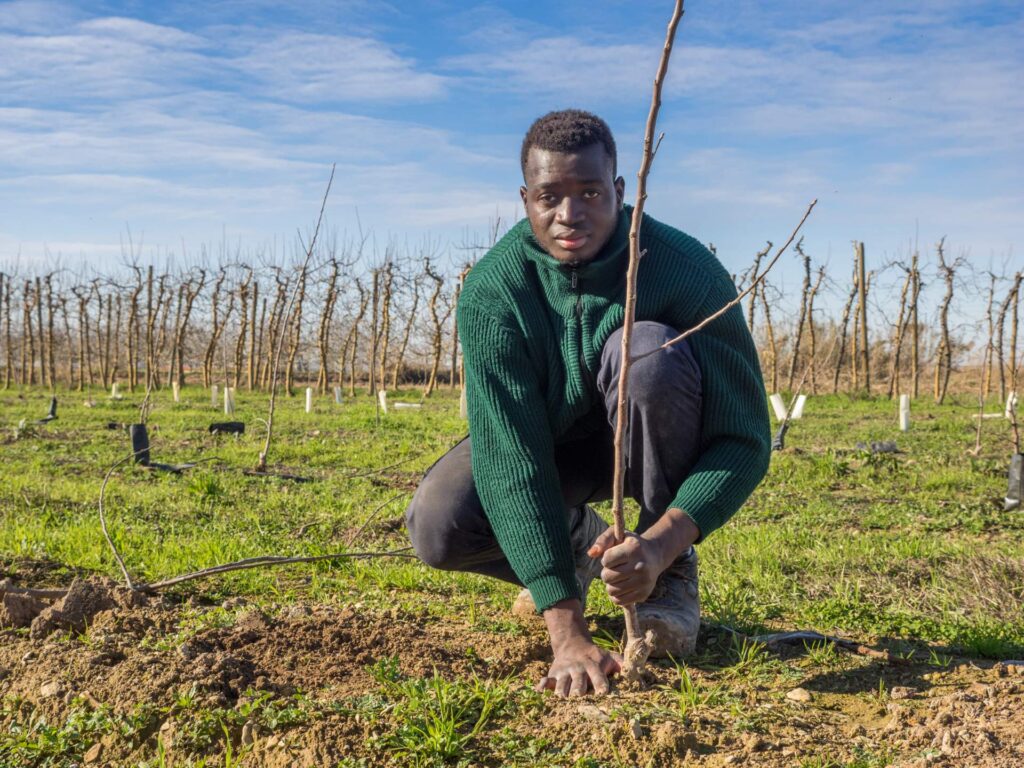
[
  {"x": 835, "y": 539},
  {"x": 912, "y": 549}
]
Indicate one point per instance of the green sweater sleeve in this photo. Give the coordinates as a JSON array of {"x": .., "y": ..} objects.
[{"x": 513, "y": 457}]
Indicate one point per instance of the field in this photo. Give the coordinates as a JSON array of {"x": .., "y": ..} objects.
[{"x": 382, "y": 661}]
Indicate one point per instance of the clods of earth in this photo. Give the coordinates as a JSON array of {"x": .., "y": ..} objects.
[{"x": 109, "y": 677}]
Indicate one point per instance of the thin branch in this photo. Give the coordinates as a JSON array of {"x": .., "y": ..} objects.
[
  {"x": 364, "y": 526},
  {"x": 269, "y": 560},
  {"x": 103, "y": 518},
  {"x": 261, "y": 464},
  {"x": 714, "y": 316}
]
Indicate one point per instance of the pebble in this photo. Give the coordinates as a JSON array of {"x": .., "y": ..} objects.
[
  {"x": 50, "y": 689},
  {"x": 247, "y": 735},
  {"x": 901, "y": 692},
  {"x": 592, "y": 712},
  {"x": 30, "y": 656},
  {"x": 93, "y": 753},
  {"x": 800, "y": 694},
  {"x": 635, "y": 729}
]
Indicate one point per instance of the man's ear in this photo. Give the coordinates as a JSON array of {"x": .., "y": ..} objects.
[
  {"x": 522, "y": 194},
  {"x": 620, "y": 190}
]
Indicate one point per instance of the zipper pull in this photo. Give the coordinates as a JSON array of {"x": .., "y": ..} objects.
[{"x": 575, "y": 280}]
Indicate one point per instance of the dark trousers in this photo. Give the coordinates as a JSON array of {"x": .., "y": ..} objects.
[{"x": 447, "y": 523}]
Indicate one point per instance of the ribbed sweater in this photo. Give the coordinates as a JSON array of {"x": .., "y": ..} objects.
[{"x": 532, "y": 330}]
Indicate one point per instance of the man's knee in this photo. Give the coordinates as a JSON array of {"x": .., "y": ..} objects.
[
  {"x": 430, "y": 526},
  {"x": 445, "y": 519},
  {"x": 672, "y": 370}
]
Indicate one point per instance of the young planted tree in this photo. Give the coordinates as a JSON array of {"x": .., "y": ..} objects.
[
  {"x": 217, "y": 322},
  {"x": 244, "y": 297},
  {"x": 295, "y": 331},
  {"x": 5, "y": 316},
  {"x": 843, "y": 330},
  {"x": 438, "y": 319},
  {"x": 754, "y": 270},
  {"x": 805, "y": 295},
  {"x": 350, "y": 349},
  {"x": 323, "y": 337},
  {"x": 410, "y": 324},
  {"x": 864, "y": 361},
  {"x": 944, "y": 351},
  {"x": 386, "y": 299},
  {"x": 898, "y": 332}
]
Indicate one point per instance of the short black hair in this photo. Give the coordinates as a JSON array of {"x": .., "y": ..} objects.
[{"x": 568, "y": 130}]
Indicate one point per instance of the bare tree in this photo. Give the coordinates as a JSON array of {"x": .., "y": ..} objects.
[
  {"x": 804, "y": 301},
  {"x": 944, "y": 352},
  {"x": 438, "y": 318}
]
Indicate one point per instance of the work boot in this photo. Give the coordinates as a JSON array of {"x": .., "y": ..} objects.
[
  {"x": 672, "y": 611},
  {"x": 587, "y": 529}
]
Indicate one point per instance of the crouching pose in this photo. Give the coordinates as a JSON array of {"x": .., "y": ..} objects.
[{"x": 540, "y": 321}]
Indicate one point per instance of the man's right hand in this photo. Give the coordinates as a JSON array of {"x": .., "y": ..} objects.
[{"x": 579, "y": 666}]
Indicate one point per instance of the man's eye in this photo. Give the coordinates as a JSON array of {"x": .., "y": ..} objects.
[
  {"x": 547, "y": 198},
  {"x": 590, "y": 194}
]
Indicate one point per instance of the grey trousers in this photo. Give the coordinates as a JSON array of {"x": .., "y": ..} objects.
[{"x": 446, "y": 521}]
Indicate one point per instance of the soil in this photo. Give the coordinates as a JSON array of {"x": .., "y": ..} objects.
[{"x": 148, "y": 650}]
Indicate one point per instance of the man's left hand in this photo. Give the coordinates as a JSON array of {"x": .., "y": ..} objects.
[{"x": 630, "y": 568}]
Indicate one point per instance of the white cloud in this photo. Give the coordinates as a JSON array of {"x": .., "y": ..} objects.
[{"x": 304, "y": 67}]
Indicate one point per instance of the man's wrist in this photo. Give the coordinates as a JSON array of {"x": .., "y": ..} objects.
[
  {"x": 566, "y": 624},
  {"x": 673, "y": 534}
]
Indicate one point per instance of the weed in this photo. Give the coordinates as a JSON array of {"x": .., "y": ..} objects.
[
  {"x": 822, "y": 653},
  {"x": 436, "y": 720}
]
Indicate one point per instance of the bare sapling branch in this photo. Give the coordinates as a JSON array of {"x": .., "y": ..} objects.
[
  {"x": 718, "y": 313},
  {"x": 261, "y": 464},
  {"x": 638, "y": 647}
]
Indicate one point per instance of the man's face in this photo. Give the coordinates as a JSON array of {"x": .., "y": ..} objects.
[{"x": 572, "y": 201}]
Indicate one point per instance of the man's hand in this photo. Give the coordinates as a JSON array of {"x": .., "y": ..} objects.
[
  {"x": 631, "y": 568},
  {"x": 579, "y": 666}
]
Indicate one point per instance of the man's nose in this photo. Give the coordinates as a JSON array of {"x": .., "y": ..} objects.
[{"x": 570, "y": 211}]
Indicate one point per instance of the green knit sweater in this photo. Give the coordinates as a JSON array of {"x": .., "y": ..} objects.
[{"x": 532, "y": 330}]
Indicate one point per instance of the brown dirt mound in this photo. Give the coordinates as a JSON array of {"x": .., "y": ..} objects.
[{"x": 151, "y": 653}]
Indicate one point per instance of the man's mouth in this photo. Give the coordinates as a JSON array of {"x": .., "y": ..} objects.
[{"x": 572, "y": 243}]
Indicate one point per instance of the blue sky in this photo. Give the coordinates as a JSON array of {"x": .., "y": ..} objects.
[{"x": 189, "y": 121}]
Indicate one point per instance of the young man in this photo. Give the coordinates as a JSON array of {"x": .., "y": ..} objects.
[{"x": 540, "y": 323}]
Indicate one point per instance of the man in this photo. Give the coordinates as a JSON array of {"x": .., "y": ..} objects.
[{"x": 540, "y": 321}]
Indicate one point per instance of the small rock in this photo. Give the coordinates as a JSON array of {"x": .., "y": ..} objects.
[
  {"x": 635, "y": 729},
  {"x": 296, "y": 612},
  {"x": 30, "y": 656},
  {"x": 800, "y": 694},
  {"x": 93, "y": 753},
  {"x": 592, "y": 712},
  {"x": 901, "y": 692},
  {"x": 234, "y": 602},
  {"x": 50, "y": 690},
  {"x": 247, "y": 735},
  {"x": 733, "y": 760}
]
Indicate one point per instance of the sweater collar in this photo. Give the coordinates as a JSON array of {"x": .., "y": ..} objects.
[{"x": 609, "y": 262}]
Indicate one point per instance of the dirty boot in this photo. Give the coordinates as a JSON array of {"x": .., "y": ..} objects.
[
  {"x": 672, "y": 611},
  {"x": 589, "y": 527}
]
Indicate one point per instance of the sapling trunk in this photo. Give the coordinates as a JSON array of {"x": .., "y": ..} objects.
[{"x": 638, "y": 646}]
